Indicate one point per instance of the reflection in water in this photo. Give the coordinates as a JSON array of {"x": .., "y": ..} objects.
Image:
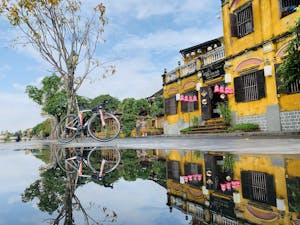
[
  {"x": 201, "y": 187},
  {"x": 217, "y": 188}
]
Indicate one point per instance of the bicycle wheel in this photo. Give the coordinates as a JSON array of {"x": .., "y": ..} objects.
[
  {"x": 104, "y": 161},
  {"x": 67, "y": 160},
  {"x": 67, "y": 128},
  {"x": 106, "y": 132}
]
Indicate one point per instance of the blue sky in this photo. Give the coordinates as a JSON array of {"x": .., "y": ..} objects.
[{"x": 142, "y": 38}]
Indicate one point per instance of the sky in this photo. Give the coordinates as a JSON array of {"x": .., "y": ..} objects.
[{"x": 142, "y": 38}]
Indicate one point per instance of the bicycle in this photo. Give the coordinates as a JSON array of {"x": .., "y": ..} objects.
[
  {"x": 79, "y": 160},
  {"x": 101, "y": 125}
]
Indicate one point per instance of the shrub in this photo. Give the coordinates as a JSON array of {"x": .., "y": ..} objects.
[
  {"x": 225, "y": 112},
  {"x": 244, "y": 127}
]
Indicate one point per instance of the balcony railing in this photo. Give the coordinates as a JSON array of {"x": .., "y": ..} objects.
[
  {"x": 213, "y": 56},
  {"x": 188, "y": 68},
  {"x": 171, "y": 76}
]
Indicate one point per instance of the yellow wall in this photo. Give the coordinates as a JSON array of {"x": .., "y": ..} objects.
[{"x": 267, "y": 26}]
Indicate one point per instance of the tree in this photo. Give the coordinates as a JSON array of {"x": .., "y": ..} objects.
[
  {"x": 289, "y": 70},
  {"x": 50, "y": 96},
  {"x": 112, "y": 103},
  {"x": 62, "y": 33}
]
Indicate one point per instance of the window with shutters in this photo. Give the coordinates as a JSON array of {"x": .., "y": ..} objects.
[
  {"x": 193, "y": 169},
  {"x": 250, "y": 87},
  {"x": 173, "y": 170},
  {"x": 171, "y": 106},
  {"x": 259, "y": 187},
  {"x": 241, "y": 21},
  {"x": 288, "y": 6},
  {"x": 291, "y": 89},
  {"x": 190, "y": 106}
]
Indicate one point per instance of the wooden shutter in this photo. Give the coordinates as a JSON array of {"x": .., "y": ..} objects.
[
  {"x": 246, "y": 178},
  {"x": 271, "y": 192},
  {"x": 173, "y": 170},
  {"x": 239, "y": 93},
  {"x": 260, "y": 84},
  {"x": 205, "y": 108},
  {"x": 233, "y": 25}
]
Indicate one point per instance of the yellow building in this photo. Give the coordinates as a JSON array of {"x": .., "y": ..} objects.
[
  {"x": 188, "y": 90},
  {"x": 256, "y": 34},
  {"x": 258, "y": 190}
]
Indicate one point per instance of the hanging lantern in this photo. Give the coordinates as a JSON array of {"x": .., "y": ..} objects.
[
  {"x": 199, "y": 177},
  {"x": 228, "y": 185},
  {"x": 216, "y": 89},
  {"x": 231, "y": 91},
  {"x": 223, "y": 186},
  {"x": 190, "y": 177},
  {"x": 186, "y": 179},
  {"x": 221, "y": 90},
  {"x": 227, "y": 91},
  {"x": 195, "y": 177},
  {"x": 195, "y": 98},
  {"x": 186, "y": 98},
  {"x": 182, "y": 98},
  {"x": 190, "y": 98}
]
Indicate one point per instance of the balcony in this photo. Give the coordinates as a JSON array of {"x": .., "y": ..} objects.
[
  {"x": 171, "y": 76},
  {"x": 189, "y": 68},
  {"x": 213, "y": 56}
]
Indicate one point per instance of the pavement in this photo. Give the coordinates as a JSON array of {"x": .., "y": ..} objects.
[{"x": 262, "y": 143}]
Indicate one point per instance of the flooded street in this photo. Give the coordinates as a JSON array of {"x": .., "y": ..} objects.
[{"x": 151, "y": 186}]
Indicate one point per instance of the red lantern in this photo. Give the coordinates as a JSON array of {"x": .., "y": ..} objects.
[{"x": 216, "y": 89}]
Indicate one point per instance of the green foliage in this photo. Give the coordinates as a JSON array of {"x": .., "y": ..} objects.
[
  {"x": 42, "y": 129},
  {"x": 112, "y": 103},
  {"x": 157, "y": 107},
  {"x": 195, "y": 121},
  {"x": 128, "y": 123},
  {"x": 289, "y": 70},
  {"x": 127, "y": 106},
  {"x": 247, "y": 127},
  {"x": 225, "y": 112},
  {"x": 50, "y": 96},
  {"x": 228, "y": 163}
]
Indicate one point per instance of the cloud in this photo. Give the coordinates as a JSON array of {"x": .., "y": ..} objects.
[{"x": 18, "y": 112}]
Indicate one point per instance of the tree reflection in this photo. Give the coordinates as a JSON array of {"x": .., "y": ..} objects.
[{"x": 55, "y": 191}]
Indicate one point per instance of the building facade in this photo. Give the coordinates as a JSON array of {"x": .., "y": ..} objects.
[
  {"x": 188, "y": 89},
  {"x": 258, "y": 189},
  {"x": 256, "y": 35}
]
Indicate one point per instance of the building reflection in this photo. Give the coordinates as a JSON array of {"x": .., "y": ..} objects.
[{"x": 221, "y": 188}]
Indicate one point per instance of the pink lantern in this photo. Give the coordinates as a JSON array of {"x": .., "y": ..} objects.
[
  {"x": 195, "y": 176},
  {"x": 233, "y": 184},
  {"x": 195, "y": 98},
  {"x": 199, "y": 177},
  {"x": 186, "y": 179},
  {"x": 190, "y": 98},
  {"x": 223, "y": 186},
  {"x": 228, "y": 185},
  {"x": 182, "y": 98},
  {"x": 231, "y": 91},
  {"x": 186, "y": 98},
  {"x": 221, "y": 90},
  {"x": 216, "y": 89},
  {"x": 190, "y": 177},
  {"x": 227, "y": 91}
]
